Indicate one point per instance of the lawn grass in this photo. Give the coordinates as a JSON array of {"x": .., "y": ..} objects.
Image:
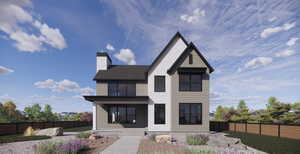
[
  {"x": 78, "y": 129},
  {"x": 269, "y": 144},
  {"x": 19, "y": 138}
]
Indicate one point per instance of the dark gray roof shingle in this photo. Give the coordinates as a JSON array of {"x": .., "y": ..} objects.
[{"x": 123, "y": 72}]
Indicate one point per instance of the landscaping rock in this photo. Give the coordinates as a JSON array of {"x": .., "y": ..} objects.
[
  {"x": 57, "y": 131},
  {"x": 95, "y": 137},
  {"x": 163, "y": 139}
]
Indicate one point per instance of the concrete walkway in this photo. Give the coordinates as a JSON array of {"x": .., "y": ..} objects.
[{"x": 125, "y": 145}]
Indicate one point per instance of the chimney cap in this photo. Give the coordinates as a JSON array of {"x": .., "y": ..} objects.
[{"x": 103, "y": 54}]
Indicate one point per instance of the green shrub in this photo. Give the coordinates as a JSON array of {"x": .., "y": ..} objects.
[
  {"x": 47, "y": 147},
  {"x": 84, "y": 135},
  {"x": 152, "y": 137},
  {"x": 201, "y": 152},
  {"x": 197, "y": 140},
  {"x": 70, "y": 147}
]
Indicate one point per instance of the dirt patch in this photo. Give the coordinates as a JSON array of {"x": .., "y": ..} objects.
[
  {"x": 96, "y": 146},
  {"x": 149, "y": 147}
]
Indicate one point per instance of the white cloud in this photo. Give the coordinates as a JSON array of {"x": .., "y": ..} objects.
[
  {"x": 4, "y": 70},
  {"x": 26, "y": 42},
  {"x": 259, "y": 61},
  {"x": 285, "y": 53},
  {"x": 292, "y": 41},
  {"x": 272, "y": 19},
  {"x": 63, "y": 86},
  {"x": 126, "y": 56},
  {"x": 51, "y": 36},
  {"x": 110, "y": 47},
  {"x": 16, "y": 21},
  {"x": 269, "y": 31},
  {"x": 194, "y": 17}
]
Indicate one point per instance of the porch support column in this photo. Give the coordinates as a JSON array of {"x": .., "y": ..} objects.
[{"x": 94, "y": 116}]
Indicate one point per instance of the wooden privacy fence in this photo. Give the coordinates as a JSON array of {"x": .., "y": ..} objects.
[
  {"x": 279, "y": 130},
  {"x": 20, "y": 127}
]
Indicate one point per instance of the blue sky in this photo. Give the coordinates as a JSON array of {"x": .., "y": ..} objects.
[{"x": 48, "y": 47}]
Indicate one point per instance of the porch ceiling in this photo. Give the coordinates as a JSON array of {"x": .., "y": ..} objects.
[{"x": 113, "y": 99}]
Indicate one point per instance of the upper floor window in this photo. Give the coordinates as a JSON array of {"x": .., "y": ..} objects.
[
  {"x": 159, "y": 114},
  {"x": 190, "y": 113},
  {"x": 190, "y": 82},
  {"x": 190, "y": 59},
  {"x": 118, "y": 88},
  {"x": 159, "y": 84}
]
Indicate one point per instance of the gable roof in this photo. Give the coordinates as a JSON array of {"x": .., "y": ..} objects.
[
  {"x": 184, "y": 55},
  {"x": 123, "y": 72},
  {"x": 177, "y": 35}
]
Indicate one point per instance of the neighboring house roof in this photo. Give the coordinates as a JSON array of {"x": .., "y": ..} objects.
[
  {"x": 177, "y": 35},
  {"x": 123, "y": 72},
  {"x": 184, "y": 55}
]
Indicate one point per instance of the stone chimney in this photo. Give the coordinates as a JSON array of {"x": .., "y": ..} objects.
[{"x": 103, "y": 61}]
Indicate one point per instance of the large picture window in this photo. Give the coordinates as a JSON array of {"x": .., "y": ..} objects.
[
  {"x": 159, "y": 84},
  {"x": 190, "y": 113},
  {"x": 118, "y": 88},
  {"x": 124, "y": 114},
  {"x": 159, "y": 114},
  {"x": 190, "y": 82}
]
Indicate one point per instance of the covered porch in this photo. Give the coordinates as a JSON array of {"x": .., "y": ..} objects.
[{"x": 119, "y": 113}]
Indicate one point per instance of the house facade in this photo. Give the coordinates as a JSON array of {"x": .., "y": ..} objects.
[{"x": 171, "y": 94}]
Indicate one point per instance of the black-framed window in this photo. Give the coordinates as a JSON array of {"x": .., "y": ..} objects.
[
  {"x": 159, "y": 114},
  {"x": 123, "y": 114},
  {"x": 190, "y": 59},
  {"x": 190, "y": 113},
  {"x": 159, "y": 84},
  {"x": 121, "y": 88},
  {"x": 190, "y": 82}
]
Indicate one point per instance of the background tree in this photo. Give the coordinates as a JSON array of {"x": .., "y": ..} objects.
[
  {"x": 10, "y": 108},
  {"x": 34, "y": 112},
  {"x": 3, "y": 114},
  {"x": 48, "y": 115},
  {"x": 86, "y": 116},
  {"x": 220, "y": 113},
  {"x": 242, "y": 112}
]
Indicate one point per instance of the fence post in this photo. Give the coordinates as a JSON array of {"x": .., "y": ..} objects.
[
  {"x": 17, "y": 128},
  {"x": 235, "y": 126},
  {"x": 259, "y": 128},
  {"x": 278, "y": 130},
  {"x": 246, "y": 127}
]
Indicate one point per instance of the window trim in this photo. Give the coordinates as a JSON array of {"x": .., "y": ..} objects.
[
  {"x": 190, "y": 114},
  {"x": 155, "y": 86},
  {"x": 190, "y": 82},
  {"x": 164, "y": 120},
  {"x": 109, "y": 120}
]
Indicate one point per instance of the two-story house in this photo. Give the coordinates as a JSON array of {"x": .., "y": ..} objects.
[{"x": 171, "y": 94}]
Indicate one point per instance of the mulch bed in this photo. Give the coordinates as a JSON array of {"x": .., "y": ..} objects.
[
  {"x": 96, "y": 146},
  {"x": 149, "y": 147}
]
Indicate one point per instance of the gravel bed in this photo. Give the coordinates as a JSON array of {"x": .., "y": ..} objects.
[{"x": 28, "y": 147}]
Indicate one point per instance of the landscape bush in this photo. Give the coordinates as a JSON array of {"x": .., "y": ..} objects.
[
  {"x": 70, "y": 147},
  {"x": 197, "y": 139},
  {"x": 201, "y": 152},
  {"x": 84, "y": 135},
  {"x": 29, "y": 131}
]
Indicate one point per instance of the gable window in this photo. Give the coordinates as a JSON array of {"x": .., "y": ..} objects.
[
  {"x": 159, "y": 114},
  {"x": 159, "y": 84},
  {"x": 190, "y": 113},
  {"x": 190, "y": 82},
  {"x": 190, "y": 59},
  {"x": 124, "y": 114},
  {"x": 118, "y": 88}
]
